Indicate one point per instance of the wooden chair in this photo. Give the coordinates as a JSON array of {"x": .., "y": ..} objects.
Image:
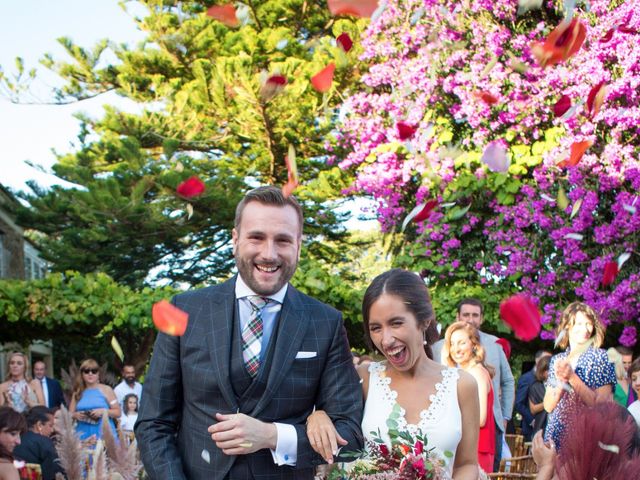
[
  {"x": 516, "y": 445},
  {"x": 522, "y": 464},
  {"x": 512, "y": 476},
  {"x": 31, "y": 471}
]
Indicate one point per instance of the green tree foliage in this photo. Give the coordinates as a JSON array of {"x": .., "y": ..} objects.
[{"x": 201, "y": 110}]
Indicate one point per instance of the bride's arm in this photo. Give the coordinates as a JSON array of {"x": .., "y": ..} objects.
[
  {"x": 323, "y": 436},
  {"x": 466, "y": 463}
]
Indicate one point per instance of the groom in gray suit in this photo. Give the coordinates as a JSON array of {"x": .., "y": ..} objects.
[{"x": 230, "y": 398}]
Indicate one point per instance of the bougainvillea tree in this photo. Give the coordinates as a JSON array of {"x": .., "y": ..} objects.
[{"x": 522, "y": 122}]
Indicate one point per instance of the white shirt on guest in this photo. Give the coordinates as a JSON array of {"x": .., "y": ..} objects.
[
  {"x": 123, "y": 389},
  {"x": 634, "y": 410},
  {"x": 128, "y": 421}
]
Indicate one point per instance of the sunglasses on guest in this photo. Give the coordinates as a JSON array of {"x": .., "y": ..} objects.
[{"x": 93, "y": 371}]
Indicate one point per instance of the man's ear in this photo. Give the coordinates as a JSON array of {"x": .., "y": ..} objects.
[{"x": 234, "y": 239}]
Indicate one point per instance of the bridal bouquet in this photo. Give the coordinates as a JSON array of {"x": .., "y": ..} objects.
[{"x": 408, "y": 458}]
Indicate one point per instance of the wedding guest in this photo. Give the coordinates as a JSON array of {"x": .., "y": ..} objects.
[
  {"x": 536, "y": 395},
  {"x": 627, "y": 356},
  {"x": 439, "y": 401},
  {"x": 128, "y": 385},
  {"x": 622, "y": 393},
  {"x": 129, "y": 412},
  {"x": 604, "y": 444},
  {"x": 12, "y": 424},
  {"x": 20, "y": 392},
  {"x": 523, "y": 393},
  {"x": 36, "y": 445},
  {"x": 582, "y": 375},
  {"x": 462, "y": 348},
  {"x": 634, "y": 374},
  {"x": 51, "y": 389},
  {"x": 472, "y": 310},
  {"x": 90, "y": 400}
]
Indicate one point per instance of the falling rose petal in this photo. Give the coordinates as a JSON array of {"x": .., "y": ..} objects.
[
  {"x": 225, "y": 14},
  {"x": 447, "y": 205},
  {"x": 610, "y": 273},
  {"x": 272, "y": 86},
  {"x": 522, "y": 315},
  {"x": 169, "y": 319},
  {"x": 282, "y": 44},
  {"x": 495, "y": 157},
  {"x": 405, "y": 130},
  {"x": 487, "y": 97},
  {"x": 578, "y": 149},
  {"x": 115, "y": 345},
  {"x": 572, "y": 111},
  {"x": 356, "y": 8},
  {"x": 609, "y": 448},
  {"x": 622, "y": 259},
  {"x": 344, "y": 41},
  {"x": 322, "y": 80},
  {"x": 569, "y": 7},
  {"x": 576, "y": 208},
  {"x": 525, "y": 5},
  {"x": 206, "y": 456},
  {"x": 559, "y": 338},
  {"x": 562, "y": 200},
  {"x": 574, "y": 236},
  {"x": 626, "y": 29},
  {"x": 189, "y": 211},
  {"x": 417, "y": 15},
  {"x": 292, "y": 172},
  {"x": 179, "y": 167},
  {"x": 420, "y": 212},
  {"x": 596, "y": 98},
  {"x": 191, "y": 187},
  {"x": 607, "y": 36},
  {"x": 630, "y": 208},
  {"x": 546, "y": 197},
  {"x": 562, "y": 105},
  {"x": 561, "y": 44}
]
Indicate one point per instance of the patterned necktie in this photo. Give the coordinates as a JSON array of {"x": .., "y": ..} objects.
[{"x": 252, "y": 334}]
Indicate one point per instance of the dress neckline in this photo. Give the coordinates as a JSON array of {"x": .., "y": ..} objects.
[{"x": 436, "y": 400}]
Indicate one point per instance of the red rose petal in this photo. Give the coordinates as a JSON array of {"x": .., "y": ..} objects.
[
  {"x": 426, "y": 212},
  {"x": 169, "y": 319},
  {"x": 405, "y": 131},
  {"x": 280, "y": 80},
  {"x": 191, "y": 187},
  {"x": 625, "y": 29},
  {"x": 577, "y": 151},
  {"x": 522, "y": 315},
  {"x": 344, "y": 41},
  {"x": 487, "y": 98},
  {"x": 562, "y": 106},
  {"x": 608, "y": 36},
  {"x": 506, "y": 346},
  {"x": 561, "y": 44},
  {"x": 596, "y": 98},
  {"x": 322, "y": 80},
  {"x": 272, "y": 86},
  {"x": 357, "y": 8},
  {"x": 292, "y": 172},
  {"x": 225, "y": 14},
  {"x": 610, "y": 273}
]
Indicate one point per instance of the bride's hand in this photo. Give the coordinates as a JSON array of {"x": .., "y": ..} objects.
[{"x": 323, "y": 436}]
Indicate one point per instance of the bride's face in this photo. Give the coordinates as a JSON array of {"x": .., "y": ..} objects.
[
  {"x": 395, "y": 332},
  {"x": 461, "y": 348}
]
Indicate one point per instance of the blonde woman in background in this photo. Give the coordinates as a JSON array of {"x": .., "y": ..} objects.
[
  {"x": 462, "y": 348},
  {"x": 20, "y": 392}
]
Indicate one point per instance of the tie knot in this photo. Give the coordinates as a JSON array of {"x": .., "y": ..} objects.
[{"x": 257, "y": 302}]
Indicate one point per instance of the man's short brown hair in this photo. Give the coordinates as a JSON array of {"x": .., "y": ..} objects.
[{"x": 268, "y": 195}]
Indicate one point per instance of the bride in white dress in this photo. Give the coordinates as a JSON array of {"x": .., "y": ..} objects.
[{"x": 441, "y": 402}]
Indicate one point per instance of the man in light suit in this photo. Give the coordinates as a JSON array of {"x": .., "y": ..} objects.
[
  {"x": 471, "y": 310},
  {"x": 53, "y": 396},
  {"x": 216, "y": 403}
]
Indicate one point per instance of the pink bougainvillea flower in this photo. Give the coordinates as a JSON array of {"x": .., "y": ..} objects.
[
  {"x": 495, "y": 157},
  {"x": 322, "y": 80},
  {"x": 562, "y": 106},
  {"x": 406, "y": 130},
  {"x": 192, "y": 187},
  {"x": 522, "y": 315},
  {"x": 225, "y": 14},
  {"x": 577, "y": 151},
  {"x": 608, "y": 36},
  {"x": 357, "y": 8},
  {"x": 292, "y": 172},
  {"x": 596, "y": 99},
  {"x": 420, "y": 212},
  {"x": 562, "y": 43},
  {"x": 344, "y": 41},
  {"x": 169, "y": 319},
  {"x": 273, "y": 86},
  {"x": 487, "y": 97},
  {"x": 610, "y": 273}
]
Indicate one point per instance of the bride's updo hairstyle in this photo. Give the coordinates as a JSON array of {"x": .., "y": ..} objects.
[{"x": 412, "y": 291}]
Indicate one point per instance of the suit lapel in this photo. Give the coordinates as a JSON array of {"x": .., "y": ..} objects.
[
  {"x": 220, "y": 319},
  {"x": 292, "y": 327}
]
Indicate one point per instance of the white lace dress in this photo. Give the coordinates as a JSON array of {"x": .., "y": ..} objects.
[{"x": 441, "y": 422}]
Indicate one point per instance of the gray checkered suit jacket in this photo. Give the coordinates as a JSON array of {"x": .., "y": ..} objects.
[{"x": 188, "y": 382}]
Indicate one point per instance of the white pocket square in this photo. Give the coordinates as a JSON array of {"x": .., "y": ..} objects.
[{"x": 306, "y": 354}]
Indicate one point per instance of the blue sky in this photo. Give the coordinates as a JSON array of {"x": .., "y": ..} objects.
[{"x": 29, "y": 28}]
